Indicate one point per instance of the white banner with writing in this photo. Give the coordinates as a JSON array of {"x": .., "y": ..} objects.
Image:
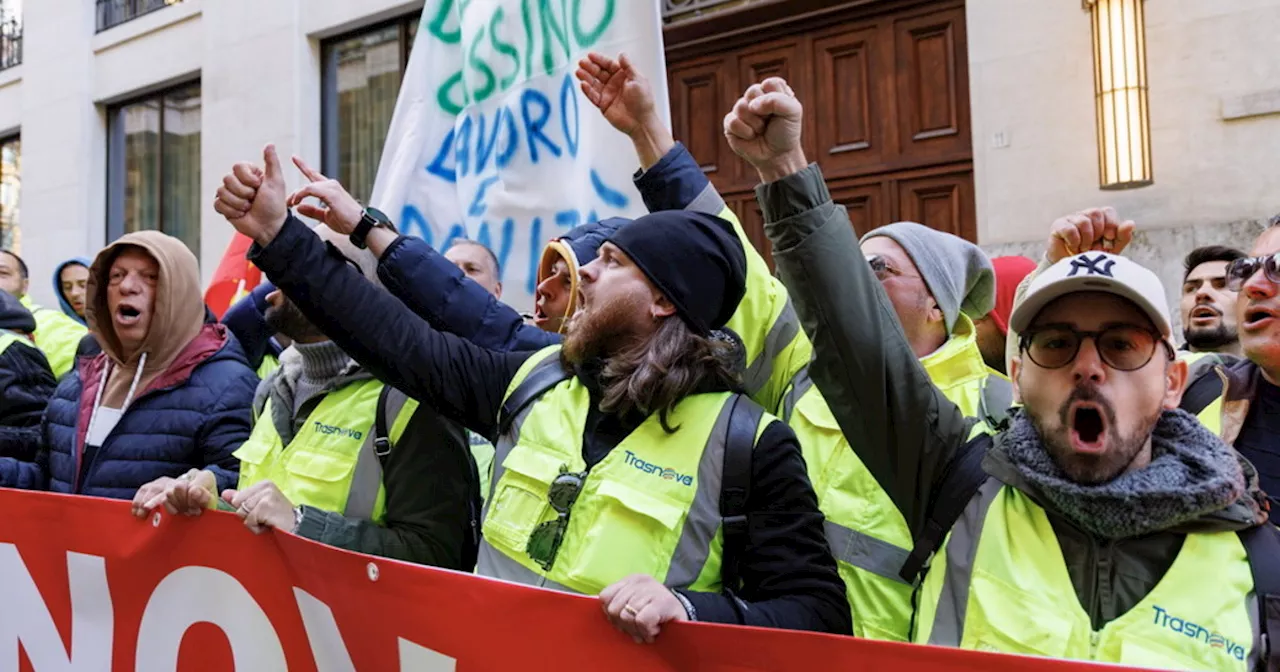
[{"x": 492, "y": 139}]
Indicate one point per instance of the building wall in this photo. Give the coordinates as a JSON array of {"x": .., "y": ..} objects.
[
  {"x": 1032, "y": 83},
  {"x": 259, "y": 68}
]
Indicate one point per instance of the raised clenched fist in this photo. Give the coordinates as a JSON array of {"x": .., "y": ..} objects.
[
  {"x": 1092, "y": 230},
  {"x": 764, "y": 129}
]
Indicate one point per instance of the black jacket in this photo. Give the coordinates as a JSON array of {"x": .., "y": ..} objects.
[
  {"x": 789, "y": 575},
  {"x": 26, "y": 383}
]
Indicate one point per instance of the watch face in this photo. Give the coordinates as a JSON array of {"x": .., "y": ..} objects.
[{"x": 377, "y": 215}]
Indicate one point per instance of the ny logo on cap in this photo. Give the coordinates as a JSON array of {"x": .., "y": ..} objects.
[{"x": 1099, "y": 265}]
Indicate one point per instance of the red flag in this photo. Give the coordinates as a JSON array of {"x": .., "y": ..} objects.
[{"x": 234, "y": 278}]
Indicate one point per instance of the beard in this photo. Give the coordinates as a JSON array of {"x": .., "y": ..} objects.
[
  {"x": 288, "y": 320},
  {"x": 1211, "y": 338},
  {"x": 599, "y": 332},
  {"x": 1121, "y": 450}
]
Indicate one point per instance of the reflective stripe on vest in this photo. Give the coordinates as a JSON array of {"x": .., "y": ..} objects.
[
  {"x": 651, "y": 506},
  {"x": 1001, "y": 584},
  {"x": 765, "y": 319},
  {"x": 864, "y": 528},
  {"x": 331, "y": 463},
  {"x": 366, "y": 484},
  {"x": 780, "y": 336},
  {"x": 8, "y": 338}
]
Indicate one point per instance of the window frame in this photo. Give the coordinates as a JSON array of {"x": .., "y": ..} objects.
[
  {"x": 115, "y": 179},
  {"x": 329, "y": 152}
]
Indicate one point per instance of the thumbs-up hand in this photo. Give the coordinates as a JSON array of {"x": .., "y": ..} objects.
[{"x": 254, "y": 199}]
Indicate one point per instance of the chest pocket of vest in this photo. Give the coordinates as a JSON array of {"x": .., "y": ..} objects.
[
  {"x": 316, "y": 478},
  {"x": 626, "y": 531},
  {"x": 253, "y": 452},
  {"x": 520, "y": 498},
  {"x": 1003, "y": 618}
]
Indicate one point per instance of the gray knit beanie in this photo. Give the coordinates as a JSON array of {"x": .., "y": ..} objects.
[{"x": 957, "y": 273}]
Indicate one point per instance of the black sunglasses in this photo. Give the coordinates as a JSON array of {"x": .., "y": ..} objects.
[
  {"x": 1122, "y": 347},
  {"x": 1240, "y": 270},
  {"x": 545, "y": 541}
]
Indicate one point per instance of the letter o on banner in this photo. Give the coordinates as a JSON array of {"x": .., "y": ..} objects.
[{"x": 200, "y": 594}]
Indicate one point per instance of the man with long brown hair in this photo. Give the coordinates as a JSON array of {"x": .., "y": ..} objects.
[{"x": 628, "y": 466}]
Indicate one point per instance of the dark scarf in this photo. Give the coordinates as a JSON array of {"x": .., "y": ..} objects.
[{"x": 1192, "y": 473}]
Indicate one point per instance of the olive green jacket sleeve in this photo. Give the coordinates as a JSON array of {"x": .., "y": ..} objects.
[{"x": 899, "y": 423}]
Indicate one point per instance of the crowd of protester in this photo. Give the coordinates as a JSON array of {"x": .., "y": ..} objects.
[{"x": 894, "y": 437}]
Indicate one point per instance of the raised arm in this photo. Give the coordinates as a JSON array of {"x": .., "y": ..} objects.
[
  {"x": 440, "y": 293},
  {"x": 900, "y": 424},
  {"x": 463, "y": 382},
  {"x": 670, "y": 179}
]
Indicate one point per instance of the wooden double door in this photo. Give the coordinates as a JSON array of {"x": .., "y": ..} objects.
[{"x": 886, "y": 92}]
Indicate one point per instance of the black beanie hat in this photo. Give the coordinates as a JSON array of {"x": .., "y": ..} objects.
[{"x": 696, "y": 261}]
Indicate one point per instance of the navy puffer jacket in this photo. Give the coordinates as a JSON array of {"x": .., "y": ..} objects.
[{"x": 191, "y": 417}]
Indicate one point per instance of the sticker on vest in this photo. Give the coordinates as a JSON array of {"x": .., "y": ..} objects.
[
  {"x": 660, "y": 471},
  {"x": 1206, "y": 637}
]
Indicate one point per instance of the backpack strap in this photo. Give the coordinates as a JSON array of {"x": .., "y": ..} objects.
[
  {"x": 960, "y": 482},
  {"x": 545, "y": 375},
  {"x": 1262, "y": 546},
  {"x": 735, "y": 487},
  {"x": 1201, "y": 393},
  {"x": 390, "y": 402},
  {"x": 994, "y": 402}
]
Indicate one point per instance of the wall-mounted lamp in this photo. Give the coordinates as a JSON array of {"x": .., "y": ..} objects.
[{"x": 1120, "y": 88}]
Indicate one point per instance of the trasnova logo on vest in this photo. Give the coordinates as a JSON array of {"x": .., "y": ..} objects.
[{"x": 492, "y": 139}]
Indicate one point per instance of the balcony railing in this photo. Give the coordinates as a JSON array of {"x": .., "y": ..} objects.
[
  {"x": 678, "y": 10},
  {"x": 112, "y": 13},
  {"x": 10, "y": 42}
]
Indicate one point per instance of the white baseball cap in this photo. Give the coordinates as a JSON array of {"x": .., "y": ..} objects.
[{"x": 1096, "y": 272}]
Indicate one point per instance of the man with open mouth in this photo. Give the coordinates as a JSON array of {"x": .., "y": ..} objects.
[
  {"x": 1208, "y": 304},
  {"x": 1240, "y": 400},
  {"x": 1085, "y": 530},
  {"x": 168, "y": 393}
]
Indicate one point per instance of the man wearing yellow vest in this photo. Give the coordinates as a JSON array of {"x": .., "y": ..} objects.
[
  {"x": 612, "y": 451},
  {"x": 1240, "y": 401},
  {"x": 1086, "y": 530},
  {"x": 317, "y": 465},
  {"x": 868, "y": 536},
  {"x": 57, "y": 335}
]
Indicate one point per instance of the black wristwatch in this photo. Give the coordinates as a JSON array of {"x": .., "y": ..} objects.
[{"x": 372, "y": 218}]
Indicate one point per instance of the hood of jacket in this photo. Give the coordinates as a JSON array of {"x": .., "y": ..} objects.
[
  {"x": 577, "y": 247},
  {"x": 176, "y": 319},
  {"x": 14, "y": 316},
  {"x": 57, "y": 287},
  {"x": 1180, "y": 438}
]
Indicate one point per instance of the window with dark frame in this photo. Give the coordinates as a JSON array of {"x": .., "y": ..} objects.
[
  {"x": 153, "y": 165},
  {"x": 361, "y": 75},
  {"x": 112, "y": 13},
  {"x": 10, "y": 191}
]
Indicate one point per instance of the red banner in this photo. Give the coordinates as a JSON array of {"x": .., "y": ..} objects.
[{"x": 85, "y": 586}]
